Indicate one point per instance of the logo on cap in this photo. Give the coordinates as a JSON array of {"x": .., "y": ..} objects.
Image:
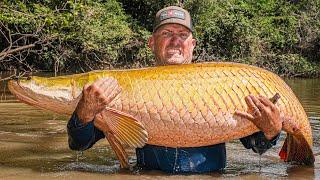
[{"x": 172, "y": 13}]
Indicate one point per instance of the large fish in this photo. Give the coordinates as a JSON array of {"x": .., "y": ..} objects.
[{"x": 178, "y": 106}]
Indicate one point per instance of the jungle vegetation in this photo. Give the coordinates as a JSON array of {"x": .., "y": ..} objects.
[{"x": 82, "y": 35}]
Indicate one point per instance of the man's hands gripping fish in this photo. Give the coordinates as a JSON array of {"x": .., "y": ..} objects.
[
  {"x": 93, "y": 107},
  {"x": 264, "y": 114},
  {"x": 94, "y": 100}
]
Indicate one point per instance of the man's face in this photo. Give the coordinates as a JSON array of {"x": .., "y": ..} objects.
[{"x": 172, "y": 44}]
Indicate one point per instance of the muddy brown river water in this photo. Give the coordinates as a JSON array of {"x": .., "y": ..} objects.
[{"x": 33, "y": 145}]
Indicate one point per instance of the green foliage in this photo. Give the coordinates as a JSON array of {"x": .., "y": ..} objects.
[
  {"x": 280, "y": 35},
  {"x": 77, "y": 36},
  {"x": 264, "y": 33}
]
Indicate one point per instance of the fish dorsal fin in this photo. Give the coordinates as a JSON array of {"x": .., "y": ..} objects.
[{"x": 126, "y": 128}]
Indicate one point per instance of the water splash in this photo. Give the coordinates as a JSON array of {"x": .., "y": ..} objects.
[{"x": 79, "y": 154}]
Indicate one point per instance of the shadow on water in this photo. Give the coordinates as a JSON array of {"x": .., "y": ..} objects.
[
  {"x": 36, "y": 140},
  {"x": 301, "y": 172}
]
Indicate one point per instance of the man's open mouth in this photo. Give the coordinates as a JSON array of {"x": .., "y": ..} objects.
[{"x": 173, "y": 51}]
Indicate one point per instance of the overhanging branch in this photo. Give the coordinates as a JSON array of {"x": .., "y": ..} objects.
[{"x": 12, "y": 51}]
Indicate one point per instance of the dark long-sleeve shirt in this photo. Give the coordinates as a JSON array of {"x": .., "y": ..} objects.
[{"x": 171, "y": 160}]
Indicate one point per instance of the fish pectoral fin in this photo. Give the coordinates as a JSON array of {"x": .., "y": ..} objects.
[
  {"x": 126, "y": 128},
  {"x": 118, "y": 149}
]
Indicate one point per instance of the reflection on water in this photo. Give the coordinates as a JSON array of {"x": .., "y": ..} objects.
[{"x": 33, "y": 144}]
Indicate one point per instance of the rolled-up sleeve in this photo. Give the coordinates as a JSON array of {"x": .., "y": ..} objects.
[
  {"x": 82, "y": 136},
  {"x": 258, "y": 142}
]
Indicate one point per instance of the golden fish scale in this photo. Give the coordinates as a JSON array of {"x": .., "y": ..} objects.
[{"x": 193, "y": 105}]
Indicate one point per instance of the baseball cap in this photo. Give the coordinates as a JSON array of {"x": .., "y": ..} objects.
[{"x": 173, "y": 15}]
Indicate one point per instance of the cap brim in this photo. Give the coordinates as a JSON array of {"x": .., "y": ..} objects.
[{"x": 173, "y": 21}]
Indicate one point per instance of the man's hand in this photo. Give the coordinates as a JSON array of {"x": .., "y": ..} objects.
[
  {"x": 96, "y": 97},
  {"x": 264, "y": 114}
]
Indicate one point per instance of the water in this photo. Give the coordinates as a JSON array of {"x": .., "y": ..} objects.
[{"x": 33, "y": 145}]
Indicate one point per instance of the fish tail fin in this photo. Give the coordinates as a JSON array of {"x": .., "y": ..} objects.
[
  {"x": 284, "y": 151},
  {"x": 296, "y": 147}
]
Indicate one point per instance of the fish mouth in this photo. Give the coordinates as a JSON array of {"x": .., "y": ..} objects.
[
  {"x": 29, "y": 96},
  {"x": 20, "y": 93}
]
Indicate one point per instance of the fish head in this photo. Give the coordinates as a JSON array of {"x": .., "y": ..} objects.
[{"x": 46, "y": 93}]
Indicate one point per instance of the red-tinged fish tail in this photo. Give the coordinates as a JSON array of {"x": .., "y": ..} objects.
[
  {"x": 296, "y": 149},
  {"x": 283, "y": 152}
]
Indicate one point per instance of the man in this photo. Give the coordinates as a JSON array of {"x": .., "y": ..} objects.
[{"x": 172, "y": 43}]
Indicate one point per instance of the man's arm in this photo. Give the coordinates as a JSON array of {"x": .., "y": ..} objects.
[
  {"x": 258, "y": 142},
  {"x": 83, "y": 132},
  {"x": 82, "y": 136}
]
